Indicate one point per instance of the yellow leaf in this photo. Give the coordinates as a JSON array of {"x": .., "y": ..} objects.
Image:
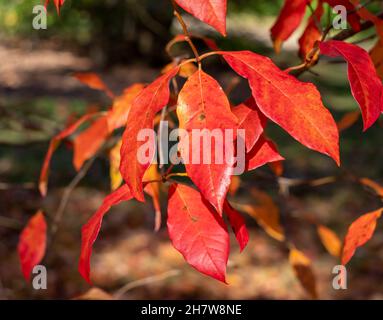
[
  {"x": 330, "y": 240},
  {"x": 114, "y": 171},
  {"x": 153, "y": 189}
]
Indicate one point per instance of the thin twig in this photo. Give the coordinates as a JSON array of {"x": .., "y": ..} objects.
[
  {"x": 67, "y": 193},
  {"x": 145, "y": 281}
]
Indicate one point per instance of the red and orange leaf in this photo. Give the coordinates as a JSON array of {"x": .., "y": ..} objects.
[
  {"x": 43, "y": 181},
  {"x": 141, "y": 116},
  {"x": 93, "y": 80},
  {"x": 288, "y": 21},
  {"x": 251, "y": 120},
  {"x": 237, "y": 222},
  {"x": 312, "y": 33},
  {"x": 263, "y": 152},
  {"x": 197, "y": 231},
  {"x": 88, "y": 142},
  {"x": 359, "y": 232},
  {"x": 32, "y": 244},
  {"x": 366, "y": 87},
  {"x": 378, "y": 189},
  {"x": 90, "y": 230},
  {"x": 212, "y": 12},
  {"x": 203, "y": 105},
  {"x": 294, "y": 105},
  {"x": 303, "y": 270},
  {"x": 330, "y": 240}
]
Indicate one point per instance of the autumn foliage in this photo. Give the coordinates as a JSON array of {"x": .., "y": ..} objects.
[{"x": 199, "y": 212}]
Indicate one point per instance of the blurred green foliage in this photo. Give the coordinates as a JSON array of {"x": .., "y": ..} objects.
[{"x": 80, "y": 18}]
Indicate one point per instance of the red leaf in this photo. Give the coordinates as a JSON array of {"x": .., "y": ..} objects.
[
  {"x": 294, "y": 105},
  {"x": 312, "y": 33},
  {"x": 288, "y": 21},
  {"x": 52, "y": 147},
  {"x": 238, "y": 224},
  {"x": 141, "y": 115},
  {"x": 93, "y": 80},
  {"x": 251, "y": 120},
  {"x": 90, "y": 230},
  {"x": 203, "y": 105},
  {"x": 212, "y": 12},
  {"x": 197, "y": 231},
  {"x": 366, "y": 87},
  {"x": 58, "y": 4},
  {"x": 263, "y": 152},
  {"x": 32, "y": 244},
  {"x": 359, "y": 232}
]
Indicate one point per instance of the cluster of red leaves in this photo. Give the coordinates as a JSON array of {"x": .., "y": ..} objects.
[{"x": 195, "y": 214}]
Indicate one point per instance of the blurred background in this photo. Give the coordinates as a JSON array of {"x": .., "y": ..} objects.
[{"x": 123, "y": 41}]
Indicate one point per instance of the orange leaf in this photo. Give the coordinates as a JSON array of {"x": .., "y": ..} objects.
[
  {"x": 212, "y": 12},
  {"x": 276, "y": 167},
  {"x": 288, "y": 21},
  {"x": 93, "y": 80},
  {"x": 87, "y": 143},
  {"x": 118, "y": 115},
  {"x": 32, "y": 244},
  {"x": 43, "y": 181},
  {"x": 373, "y": 185},
  {"x": 294, "y": 105},
  {"x": 234, "y": 185},
  {"x": 377, "y": 57},
  {"x": 348, "y": 120},
  {"x": 303, "y": 271},
  {"x": 95, "y": 294},
  {"x": 266, "y": 213},
  {"x": 330, "y": 240},
  {"x": 141, "y": 116},
  {"x": 197, "y": 231},
  {"x": 203, "y": 105},
  {"x": 359, "y": 232},
  {"x": 312, "y": 33}
]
